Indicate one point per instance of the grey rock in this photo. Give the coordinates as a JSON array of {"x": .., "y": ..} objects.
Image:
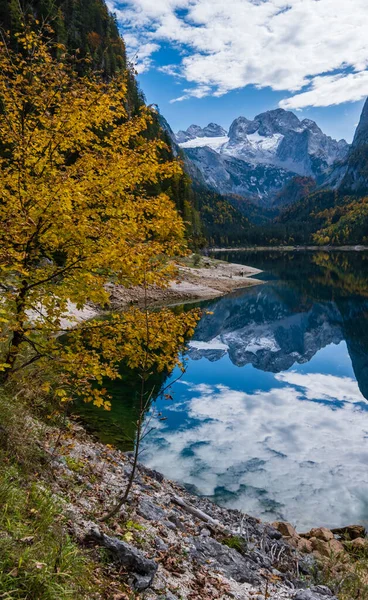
[
  {"x": 323, "y": 590},
  {"x": 361, "y": 133},
  {"x": 318, "y": 592},
  {"x": 142, "y": 569},
  {"x": 227, "y": 560},
  {"x": 161, "y": 545},
  {"x": 168, "y": 596},
  {"x": 273, "y": 533},
  {"x": 174, "y": 518},
  {"x": 205, "y": 532},
  {"x": 169, "y": 525},
  {"x": 273, "y": 148},
  {"x": 150, "y": 511},
  {"x": 151, "y": 473},
  {"x": 229, "y": 174},
  {"x": 213, "y": 130},
  {"x": 354, "y": 179}
]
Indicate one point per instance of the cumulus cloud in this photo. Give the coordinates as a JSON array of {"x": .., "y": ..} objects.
[
  {"x": 289, "y": 45},
  {"x": 272, "y": 452},
  {"x": 326, "y": 91}
]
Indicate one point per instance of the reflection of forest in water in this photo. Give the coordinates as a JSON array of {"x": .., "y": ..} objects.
[
  {"x": 118, "y": 426},
  {"x": 309, "y": 301},
  {"x": 323, "y": 275}
]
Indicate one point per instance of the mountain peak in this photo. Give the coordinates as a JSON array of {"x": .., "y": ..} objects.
[
  {"x": 277, "y": 121},
  {"x": 361, "y": 133},
  {"x": 241, "y": 127},
  {"x": 311, "y": 126},
  {"x": 195, "y": 131}
]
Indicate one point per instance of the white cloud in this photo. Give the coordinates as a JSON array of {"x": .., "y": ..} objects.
[
  {"x": 326, "y": 91},
  {"x": 274, "y": 446},
  {"x": 323, "y": 387},
  {"x": 199, "y": 92},
  {"x": 284, "y": 44}
]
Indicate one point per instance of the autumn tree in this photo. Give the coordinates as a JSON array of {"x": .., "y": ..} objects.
[{"x": 76, "y": 212}]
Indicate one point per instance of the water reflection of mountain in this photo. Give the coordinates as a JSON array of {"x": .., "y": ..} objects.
[{"x": 274, "y": 326}]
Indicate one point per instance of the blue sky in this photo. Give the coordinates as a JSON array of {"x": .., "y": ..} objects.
[{"x": 210, "y": 60}]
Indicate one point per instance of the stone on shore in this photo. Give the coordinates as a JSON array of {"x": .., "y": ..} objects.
[
  {"x": 350, "y": 532},
  {"x": 142, "y": 569}
]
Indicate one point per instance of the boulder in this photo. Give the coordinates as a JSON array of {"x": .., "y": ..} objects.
[
  {"x": 350, "y": 532},
  {"x": 304, "y": 546},
  {"x": 359, "y": 544},
  {"x": 286, "y": 529},
  {"x": 317, "y": 592},
  {"x": 232, "y": 564},
  {"x": 142, "y": 569},
  {"x": 150, "y": 511},
  {"x": 326, "y": 548},
  {"x": 151, "y": 473},
  {"x": 321, "y": 533}
]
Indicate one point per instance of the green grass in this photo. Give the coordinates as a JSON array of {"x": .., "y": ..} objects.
[
  {"x": 38, "y": 560},
  {"x": 235, "y": 542}
]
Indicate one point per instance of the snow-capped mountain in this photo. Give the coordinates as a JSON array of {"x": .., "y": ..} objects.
[
  {"x": 194, "y": 131},
  {"x": 277, "y": 141},
  {"x": 231, "y": 175}
]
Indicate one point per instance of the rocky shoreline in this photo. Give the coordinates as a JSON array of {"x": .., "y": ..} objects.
[
  {"x": 167, "y": 544},
  {"x": 210, "y": 279}
]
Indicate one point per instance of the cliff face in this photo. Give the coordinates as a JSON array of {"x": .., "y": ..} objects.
[{"x": 355, "y": 179}]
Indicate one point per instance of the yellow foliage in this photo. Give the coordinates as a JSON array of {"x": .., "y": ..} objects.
[{"x": 75, "y": 212}]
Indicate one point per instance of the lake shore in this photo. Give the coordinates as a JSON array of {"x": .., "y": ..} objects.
[
  {"x": 211, "y": 278},
  {"x": 357, "y": 248}
]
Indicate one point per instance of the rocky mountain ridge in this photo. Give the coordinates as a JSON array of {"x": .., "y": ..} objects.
[{"x": 256, "y": 158}]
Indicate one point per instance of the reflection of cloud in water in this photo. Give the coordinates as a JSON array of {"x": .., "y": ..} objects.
[
  {"x": 318, "y": 386},
  {"x": 265, "y": 451}
]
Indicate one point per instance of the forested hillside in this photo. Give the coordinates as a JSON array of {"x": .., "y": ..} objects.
[{"x": 84, "y": 26}]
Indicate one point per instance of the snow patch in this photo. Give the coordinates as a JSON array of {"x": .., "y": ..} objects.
[
  {"x": 212, "y": 142},
  {"x": 214, "y": 344},
  {"x": 264, "y": 143}
]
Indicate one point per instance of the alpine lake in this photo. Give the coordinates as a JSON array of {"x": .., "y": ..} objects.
[{"x": 271, "y": 414}]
